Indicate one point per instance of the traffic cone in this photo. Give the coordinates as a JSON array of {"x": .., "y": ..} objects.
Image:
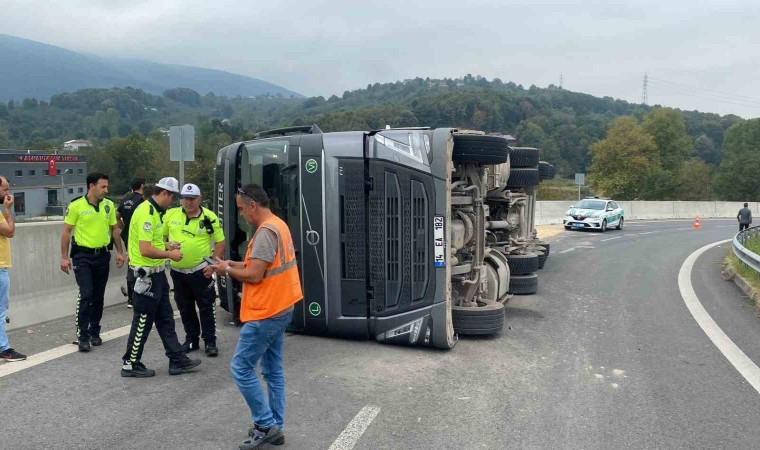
[{"x": 696, "y": 223}]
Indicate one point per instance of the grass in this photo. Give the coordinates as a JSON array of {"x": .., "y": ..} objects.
[
  {"x": 753, "y": 244},
  {"x": 748, "y": 274},
  {"x": 559, "y": 189}
]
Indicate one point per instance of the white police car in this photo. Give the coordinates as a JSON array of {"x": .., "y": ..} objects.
[{"x": 595, "y": 214}]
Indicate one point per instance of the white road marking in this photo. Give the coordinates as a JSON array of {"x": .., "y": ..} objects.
[
  {"x": 354, "y": 430},
  {"x": 567, "y": 251},
  {"x": 55, "y": 353},
  {"x": 609, "y": 239},
  {"x": 733, "y": 354},
  {"x": 650, "y": 232}
]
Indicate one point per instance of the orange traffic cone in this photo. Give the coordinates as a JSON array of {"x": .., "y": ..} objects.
[{"x": 696, "y": 223}]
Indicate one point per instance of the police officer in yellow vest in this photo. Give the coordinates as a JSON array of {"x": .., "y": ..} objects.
[
  {"x": 195, "y": 229},
  {"x": 147, "y": 264},
  {"x": 92, "y": 218}
]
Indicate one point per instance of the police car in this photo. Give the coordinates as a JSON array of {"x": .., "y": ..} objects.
[{"x": 595, "y": 214}]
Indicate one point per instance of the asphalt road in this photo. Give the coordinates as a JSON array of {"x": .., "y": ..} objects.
[{"x": 605, "y": 356}]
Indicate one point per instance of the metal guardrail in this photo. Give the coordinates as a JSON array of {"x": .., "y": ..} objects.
[{"x": 748, "y": 257}]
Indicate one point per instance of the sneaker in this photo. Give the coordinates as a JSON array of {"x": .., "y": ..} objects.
[
  {"x": 84, "y": 345},
  {"x": 183, "y": 365},
  {"x": 191, "y": 346},
  {"x": 261, "y": 437},
  {"x": 11, "y": 355},
  {"x": 96, "y": 341},
  {"x": 129, "y": 304},
  {"x": 211, "y": 350},
  {"x": 278, "y": 441},
  {"x": 137, "y": 370}
]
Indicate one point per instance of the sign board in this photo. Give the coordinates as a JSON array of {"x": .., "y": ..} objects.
[
  {"x": 182, "y": 143},
  {"x": 440, "y": 242},
  {"x": 580, "y": 179},
  {"x": 47, "y": 158}
]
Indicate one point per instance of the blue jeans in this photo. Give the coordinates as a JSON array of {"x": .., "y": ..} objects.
[
  {"x": 5, "y": 287},
  {"x": 262, "y": 339}
]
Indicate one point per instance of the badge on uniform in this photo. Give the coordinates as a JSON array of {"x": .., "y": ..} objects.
[
  {"x": 147, "y": 226},
  {"x": 108, "y": 209}
]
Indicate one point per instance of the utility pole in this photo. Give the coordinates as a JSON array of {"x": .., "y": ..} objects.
[
  {"x": 561, "y": 79},
  {"x": 644, "y": 96}
]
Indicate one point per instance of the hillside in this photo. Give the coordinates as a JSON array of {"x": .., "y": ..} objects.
[{"x": 34, "y": 69}]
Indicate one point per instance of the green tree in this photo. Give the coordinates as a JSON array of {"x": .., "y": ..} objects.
[
  {"x": 668, "y": 129},
  {"x": 737, "y": 177},
  {"x": 705, "y": 149},
  {"x": 3, "y": 110},
  {"x": 622, "y": 160},
  {"x": 695, "y": 181}
]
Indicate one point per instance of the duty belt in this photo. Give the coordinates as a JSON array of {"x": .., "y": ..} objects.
[
  {"x": 148, "y": 270},
  {"x": 93, "y": 251},
  {"x": 200, "y": 266}
]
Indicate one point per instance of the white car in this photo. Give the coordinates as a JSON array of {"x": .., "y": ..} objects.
[{"x": 594, "y": 214}]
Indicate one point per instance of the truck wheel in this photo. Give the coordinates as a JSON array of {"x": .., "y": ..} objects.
[
  {"x": 523, "y": 284},
  {"x": 541, "y": 260},
  {"x": 523, "y": 157},
  {"x": 480, "y": 149},
  {"x": 523, "y": 178},
  {"x": 488, "y": 319},
  {"x": 522, "y": 264},
  {"x": 544, "y": 170}
]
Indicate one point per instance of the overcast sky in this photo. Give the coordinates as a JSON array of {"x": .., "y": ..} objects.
[{"x": 698, "y": 55}]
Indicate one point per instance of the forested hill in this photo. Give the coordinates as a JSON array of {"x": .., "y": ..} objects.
[{"x": 562, "y": 123}]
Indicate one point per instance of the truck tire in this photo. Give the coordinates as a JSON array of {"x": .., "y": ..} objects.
[
  {"x": 480, "y": 149},
  {"x": 523, "y": 157},
  {"x": 522, "y": 264},
  {"x": 545, "y": 245},
  {"x": 544, "y": 170},
  {"x": 523, "y": 284},
  {"x": 488, "y": 319},
  {"x": 541, "y": 260},
  {"x": 523, "y": 178}
]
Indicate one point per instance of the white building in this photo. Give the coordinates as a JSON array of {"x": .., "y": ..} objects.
[{"x": 76, "y": 144}]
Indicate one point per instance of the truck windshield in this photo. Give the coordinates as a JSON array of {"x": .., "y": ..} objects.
[{"x": 264, "y": 163}]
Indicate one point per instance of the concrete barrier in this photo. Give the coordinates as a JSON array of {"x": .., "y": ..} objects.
[
  {"x": 40, "y": 291},
  {"x": 552, "y": 212}
]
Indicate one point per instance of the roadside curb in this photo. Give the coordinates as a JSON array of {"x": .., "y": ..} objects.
[{"x": 730, "y": 274}]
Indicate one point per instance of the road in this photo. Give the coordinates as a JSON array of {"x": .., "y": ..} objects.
[{"x": 606, "y": 355}]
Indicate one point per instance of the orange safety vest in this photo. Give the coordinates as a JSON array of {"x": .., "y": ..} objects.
[{"x": 281, "y": 287}]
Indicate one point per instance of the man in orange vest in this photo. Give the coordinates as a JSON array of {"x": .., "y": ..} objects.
[{"x": 271, "y": 286}]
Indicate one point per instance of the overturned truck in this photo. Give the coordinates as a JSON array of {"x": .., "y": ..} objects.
[{"x": 408, "y": 236}]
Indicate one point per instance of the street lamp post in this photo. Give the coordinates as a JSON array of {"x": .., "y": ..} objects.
[{"x": 63, "y": 188}]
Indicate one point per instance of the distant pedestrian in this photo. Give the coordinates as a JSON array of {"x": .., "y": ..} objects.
[
  {"x": 124, "y": 216},
  {"x": 271, "y": 286},
  {"x": 7, "y": 231},
  {"x": 92, "y": 220},
  {"x": 744, "y": 217}
]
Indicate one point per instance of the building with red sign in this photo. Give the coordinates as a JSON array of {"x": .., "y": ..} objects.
[{"x": 43, "y": 183}]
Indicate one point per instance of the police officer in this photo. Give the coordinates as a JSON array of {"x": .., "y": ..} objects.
[
  {"x": 93, "y": 220},
  {"x": 124, "y": 215},
  {"x": 195, "y": 228},
  {"x": 147, "y": 257}
]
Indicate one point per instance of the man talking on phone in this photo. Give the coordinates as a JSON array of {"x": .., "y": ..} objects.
[{"x": 195, "y": 230}]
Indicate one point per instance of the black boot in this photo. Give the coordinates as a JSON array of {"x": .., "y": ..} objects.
[
  {"x": 183, "y": 365},
  {"x": 137, "y": 370},
  {"x": 191, "y": 346},
  {"x": 84, "y": 345},
  {"x": 211, "y": 349},
  {"x": 96, "y": 341}
]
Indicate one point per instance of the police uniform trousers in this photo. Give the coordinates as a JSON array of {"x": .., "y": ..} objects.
[
  {"x": 130, "y": 286},
  {"x": 91, "y": 273},
  {"x": 191, "y": 289},
  {"x": 152, "y": 306}
]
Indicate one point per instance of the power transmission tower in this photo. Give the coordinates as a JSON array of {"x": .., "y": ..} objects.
[
  {"x": 561, "y": 79},
  {"x": 644, "y": 96}
]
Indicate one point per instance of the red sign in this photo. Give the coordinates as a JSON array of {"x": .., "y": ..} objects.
[
  {"x": 51, "y": 167},
  {"x": 47, "y": 158}
]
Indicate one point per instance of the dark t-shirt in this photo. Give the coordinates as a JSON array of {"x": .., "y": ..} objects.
[{"x": 127, "y": 207}]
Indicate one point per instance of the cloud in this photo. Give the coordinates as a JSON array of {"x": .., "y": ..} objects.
[{"x": 327, "y": 47}]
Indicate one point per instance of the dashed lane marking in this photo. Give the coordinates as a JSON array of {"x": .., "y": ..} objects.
[
  {"x": 609, "y": 239},
  {"x": 356, "y": 428},
  {"x": 741, "y": 362}
]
